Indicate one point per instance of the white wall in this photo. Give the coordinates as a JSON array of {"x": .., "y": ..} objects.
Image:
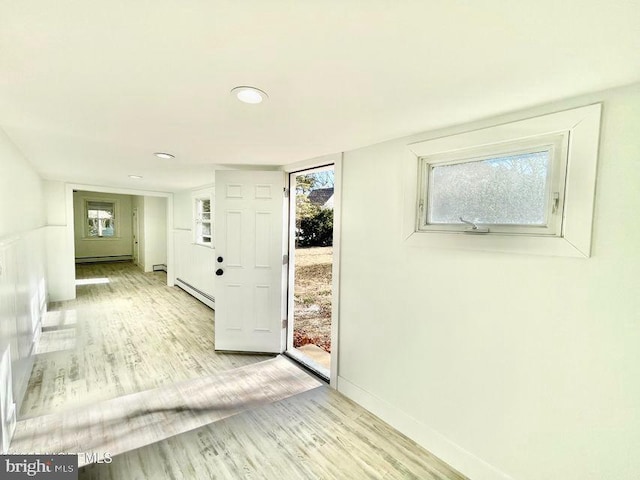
[
  {"x": 56, "y": 244},
  {"x": 155, "y": 232},
  {"x": 194, "y": 264},
  {"x": 505, "y": 365},
  {"x": 21, "y": 208},
  {"x": 22, "y": 262},
  {"x": 91, "y": 247}
]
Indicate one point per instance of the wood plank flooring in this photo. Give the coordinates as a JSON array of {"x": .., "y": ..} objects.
[
  {"x": 126, "y": 423},
  {"x": 120, "y": 370},
  {"x": 319, "y": 434},
  {"x": 128, "y": 334}
]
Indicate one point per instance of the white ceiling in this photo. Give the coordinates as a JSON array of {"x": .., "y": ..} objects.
[{"x": 89, "y": 90}]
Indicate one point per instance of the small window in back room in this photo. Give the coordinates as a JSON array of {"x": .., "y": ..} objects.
[
  {"x": 101, "y": 221},
  {"x": 203, "y": 224}
]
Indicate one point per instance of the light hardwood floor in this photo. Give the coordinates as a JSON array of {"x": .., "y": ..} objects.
[
  {"x": 319, "y": 434},
  {"x": 128, "y": 335},
  {"x": 207, "y": 415},
  {"x": 126, "y": 423}
]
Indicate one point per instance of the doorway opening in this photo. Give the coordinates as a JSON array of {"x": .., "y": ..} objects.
[{"x": 310, "y": 267}]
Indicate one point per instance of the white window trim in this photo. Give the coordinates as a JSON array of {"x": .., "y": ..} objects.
[
  {"x": 116, "y": 222},
  {"x": 582, "y": 126},
  {"x": 197, "y": 221},
  {"x": 555, "y": 144}
]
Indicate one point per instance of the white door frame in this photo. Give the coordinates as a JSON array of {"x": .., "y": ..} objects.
[
  {"x": 136, "y": 236},
  {"x": 68, "y": 275},
  {"x": 336, "y": 160}
]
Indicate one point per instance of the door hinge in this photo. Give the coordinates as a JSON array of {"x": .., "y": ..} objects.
[
  {"x": 285, "y": 259},
  {"x": 285, "y": 323},
  {"x": 286, "y": 192}
]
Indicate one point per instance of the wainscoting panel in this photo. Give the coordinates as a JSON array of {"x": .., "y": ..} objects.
[
  {"x": 194, "y": 264},
  {"x": 22, "y": 305}
]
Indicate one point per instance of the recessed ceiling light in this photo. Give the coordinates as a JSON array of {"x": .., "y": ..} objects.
[
  {"x": 164, "y": 155},
  {"x": 135, "y": 177},
  {"x": 249, "y": 94}
]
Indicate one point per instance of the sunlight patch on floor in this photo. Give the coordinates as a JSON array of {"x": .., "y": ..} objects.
[{"x": 57, "y": 341}]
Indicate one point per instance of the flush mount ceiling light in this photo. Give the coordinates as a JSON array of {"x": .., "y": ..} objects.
[
  {"x": 249, "y": 94},
  {"x": 135, "y": 177},
  {"x": 164, "y": 155}
]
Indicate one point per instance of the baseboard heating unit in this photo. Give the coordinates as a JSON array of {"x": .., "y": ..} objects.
[
  {"x": 205, "y": 298},
  {"x": 110, "y": 258}
]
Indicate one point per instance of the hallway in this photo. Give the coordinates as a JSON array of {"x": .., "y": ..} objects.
[
  {"x": 127, "y": 377},
  {"x": 125, "y": 332}
]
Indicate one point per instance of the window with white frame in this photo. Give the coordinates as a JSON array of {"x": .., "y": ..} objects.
[
  {"x": 203, "y": 223},
  {"x": 100, "y": 218},
  {"x": 511, "y": 188},
  {"x": 526, "y": 186}
]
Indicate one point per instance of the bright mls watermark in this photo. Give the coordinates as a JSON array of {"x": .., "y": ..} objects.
[
  {"x": 84, "y": 458},
  {"x": 39, "y": 467}
]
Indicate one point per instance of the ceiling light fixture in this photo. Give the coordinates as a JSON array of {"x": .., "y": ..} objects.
[
  {"x": 164, "y": 155},
  {"x": 249, "y": 94},
  {"x": 135, "y": 177}
]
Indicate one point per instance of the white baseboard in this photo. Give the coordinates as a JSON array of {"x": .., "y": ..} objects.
[
  {"x": 208, "y": 300},
  {"x": 436, "y": 443}
]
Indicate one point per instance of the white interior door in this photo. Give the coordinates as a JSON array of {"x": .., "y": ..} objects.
[{"x": 249, "y": 213}]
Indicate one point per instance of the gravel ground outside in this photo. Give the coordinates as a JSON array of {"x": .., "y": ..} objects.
[{"x": 312, "y": 297}]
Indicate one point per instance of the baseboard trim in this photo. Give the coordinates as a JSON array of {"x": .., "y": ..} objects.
[
  {"x": 440, "y": 446},
  {"x": 205, "y": 298},
  {"x": 109, "y": 258},
  {"x": 160, "y": 268}
]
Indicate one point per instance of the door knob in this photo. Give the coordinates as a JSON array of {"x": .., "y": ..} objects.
[
  {"x": 220, "y": 259},
  {"x": 219, "y": 272}
]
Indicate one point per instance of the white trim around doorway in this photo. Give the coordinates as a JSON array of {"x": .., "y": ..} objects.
[
  {"x": 336, "y": 160},
  {"x": 69, "y": 250}
]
